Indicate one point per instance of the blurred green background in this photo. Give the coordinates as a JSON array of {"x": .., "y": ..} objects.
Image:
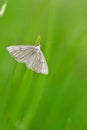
[{"x": 32, "y": 101}]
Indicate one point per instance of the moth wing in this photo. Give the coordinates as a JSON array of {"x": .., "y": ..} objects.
[
  {"x": 21, "y": 53},
  {"x": 38, "y": 63},
  {"x": 44, "y": 66}
]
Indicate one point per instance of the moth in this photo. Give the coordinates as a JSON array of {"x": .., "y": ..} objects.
[
  {"x": 3, "y": 9},
  {"x": 32, "y": 56}
]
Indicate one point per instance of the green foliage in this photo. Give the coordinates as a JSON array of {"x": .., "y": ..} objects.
[{"x": 32, "y": 101}]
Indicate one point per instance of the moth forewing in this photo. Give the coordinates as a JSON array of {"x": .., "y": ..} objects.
[
  {"x": 44, "y": 64},
  {"x": 20, "y": 52}
]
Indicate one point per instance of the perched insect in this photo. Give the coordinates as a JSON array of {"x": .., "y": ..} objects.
[
  {"x": 32, "y": 56},
  {"x": 3, "y": 9}
]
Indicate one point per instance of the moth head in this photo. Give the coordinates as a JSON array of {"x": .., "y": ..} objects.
[{"x": 38, "y": 48}]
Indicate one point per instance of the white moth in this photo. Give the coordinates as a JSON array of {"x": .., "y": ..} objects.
[
  {"x": 32, "y": 56},
  {"x": 3, "y": 9}
]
